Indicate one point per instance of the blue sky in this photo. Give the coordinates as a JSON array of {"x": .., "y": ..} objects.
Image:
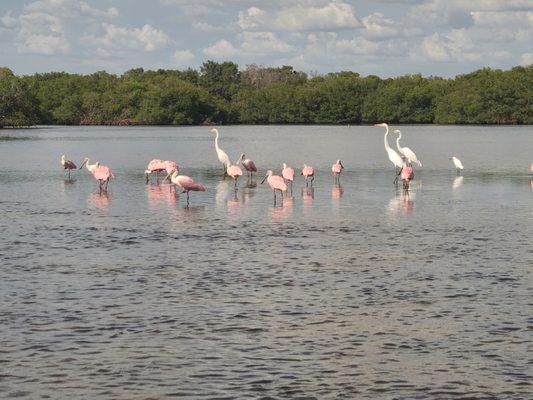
[{"x": 381, "y": 37}]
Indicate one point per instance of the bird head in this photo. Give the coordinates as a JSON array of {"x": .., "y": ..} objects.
[{"x": 269, "y": 173}]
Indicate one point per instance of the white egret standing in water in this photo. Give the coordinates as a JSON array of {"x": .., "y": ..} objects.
[
  {"x": 394, "y": 157},
  {"x": 221, "y": 154},
  {"x": 458, "y": 164},
  {"x": 406, "y": 151}
]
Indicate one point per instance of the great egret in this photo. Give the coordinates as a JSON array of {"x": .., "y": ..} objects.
[
  {"x": 406, "y": 151},
  {"x": 393, "y": 156},
  {"x": 221, "y": 154},
  {"x": 458, "y": 164}
]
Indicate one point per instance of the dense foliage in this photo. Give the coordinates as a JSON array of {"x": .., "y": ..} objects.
[{"x": 221, "y": 94}]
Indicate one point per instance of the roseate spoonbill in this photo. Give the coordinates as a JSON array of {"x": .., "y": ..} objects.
[
  {"x": 248, "y": 165},
  {"x": 157, "y": 166},
  {"x": 406, "y": 151},
  {"x": 90, "y": 167},
  {"x": 457, "y": 163},
  {"x": 288, "y": 174},
  {"x": 407, "y": 174},
  {"x": 103, "y": 174},
  {"x": 393, "y": 156},
  {"x": 337, "y": 169},
  {"x": 171, "y": 166},
  {"x": 221, "y": 154},
  {"x": 275, "y": 182},
  {"x": 308, "y": 172},
  {"x": 233, "y": 171},
  {"x": 186, "y": 183},
  {"x": 67, "y": 164}
]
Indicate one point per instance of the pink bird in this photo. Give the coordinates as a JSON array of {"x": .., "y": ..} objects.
[
  {"x": 234, "y": 172},
  {"x": 275, "y": 182},
  {"x": 103, "y": 175},
  {"x": 67, "y": 164},
  {"x": 308, "y": 172},
  {"x": 248, "y": 165},
  {"x": 337, "y": 169},
  {"x": 288, "y": 174},
  {"x": 171, "y": 166},
  {"x": 186, "y": 183},
  {"x": 157, "y": 166}
]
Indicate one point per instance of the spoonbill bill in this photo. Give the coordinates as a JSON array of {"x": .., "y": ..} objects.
[
  {"x": 308, "y": 172},
  {"x": 406, "y": 151},
  {"x": 90, "y": 167},
  {"x": 275, "y": 182},
  {"x": 221, "y": 154},
  {"x": 457, "y": 163},
  {"x": 67, "y": 164},
  {"x": 288, "y": 174},
  {"x": 337, "y": 169},
  {"x": 186, "y": 183},
  {"x": 103, "y": 175},
  {"x": 248, "y": 165},
  {"x": 393, "y": 156},
  {"x": 155, "y": 166}
]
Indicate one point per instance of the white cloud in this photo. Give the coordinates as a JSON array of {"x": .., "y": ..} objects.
[
  {"x": 263, "y": 43},
  {"x": 453, "y": 47},
  {"x": 8, "y": 21},
  {"x": 70, "y": 8},
  {"x": 182, "y": 58},
  {"x": 44, "y": 44},
  {"x": 506, "y": 19},
  {"x": 220, "y": 50},
  {"x": 116, "y": 38},
  {"x": 332, "y": 16},
  {"x": 526, "y": 59}
]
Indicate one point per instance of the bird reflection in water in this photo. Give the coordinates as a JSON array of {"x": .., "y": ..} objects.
[
  {"x": 308, "y": 195},
  {"x": 336, "y": 192},
  {"x": 100, "y": 200},
  {"x": 402, "y": 202},
  {"x": 457, "y": 182},
  {"x": 221, "y": 193},
  {"x": 159, "y": 194},
  {"x": 283, "y": 211},
  {"x": 247, "y": 193}
]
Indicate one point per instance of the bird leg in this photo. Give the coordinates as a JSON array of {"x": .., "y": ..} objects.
[
  {"x": 312, "y": 179},
  {"x": 187, "y": 199},
  {"x": 274, "y": 197},
  {"x": 281, "y": 194}
]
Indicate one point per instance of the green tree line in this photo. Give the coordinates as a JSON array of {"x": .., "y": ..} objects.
[{"x": 220, "y": 93}]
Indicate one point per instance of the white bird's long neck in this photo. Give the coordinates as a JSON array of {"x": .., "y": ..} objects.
[
  {"x": 385, "y": 142},
  {"x": 398, "y": 141},
  {"x": 216, "y": 140}
]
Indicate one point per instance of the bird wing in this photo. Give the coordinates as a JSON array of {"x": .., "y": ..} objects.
[
  {"x": 395, "y": 158},
  {"x": 410, "y": 155}
]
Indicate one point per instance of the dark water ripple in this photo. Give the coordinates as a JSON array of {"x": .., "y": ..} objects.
[{"x": 368, "y": 296}]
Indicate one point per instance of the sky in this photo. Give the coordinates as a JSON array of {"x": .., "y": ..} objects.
[{"x": 379, "y": 37}]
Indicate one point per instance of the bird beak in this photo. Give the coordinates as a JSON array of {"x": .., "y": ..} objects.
[
  {"x": 166, "y": 177},
  {"x": 342, "y": 166},
  {"x": 264, "y": 179},
  {"x": 82, "y": 164}
]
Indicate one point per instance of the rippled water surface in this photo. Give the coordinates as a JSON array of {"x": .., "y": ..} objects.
[{"x": 343, "y": 292}]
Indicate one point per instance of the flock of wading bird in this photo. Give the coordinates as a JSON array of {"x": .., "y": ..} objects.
[{"x": 403, "y": 161}]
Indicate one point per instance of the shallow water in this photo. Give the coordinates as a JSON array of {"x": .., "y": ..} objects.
[{"x": 345, "y": 292}]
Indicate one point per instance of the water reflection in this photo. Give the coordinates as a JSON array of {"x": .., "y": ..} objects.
[
  {"x": 161, "y": 194},
  {"x": 282, "y": 211},
  {"x": 457, "y": 182},
  {"x": 222, "y": 191},
  {"x": 336, "y": 192},
  {"x": 100, "y": 200},
  {"x": 401, "y": 203}
]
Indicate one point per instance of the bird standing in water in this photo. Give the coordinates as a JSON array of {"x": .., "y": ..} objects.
[
  {"x": 67, "y": 164},
  {"x": 393, "y": 156},
  {"x": 337, "y": 169},
  {"x": 406, "y": 151},
  {"x": 221, "y": 154},
  {"x": 275, "y": 182},
  {"x": 157, "y": 166},
  {"x": 103, "y": 175},
  {"x": 186, "y": 183},
  {"x": 248, "y": 165},
  {"x": 308, "y": 172},
  {"x": 457, "y": 163},
  {"x": 288, "y": 174}
]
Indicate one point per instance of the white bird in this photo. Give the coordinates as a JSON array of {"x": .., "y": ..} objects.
[
  {"x": 393, "y": 156},
  {"x": 222, "y": 156},
  {"x": 458, "y": 164},
  {"x": 406, "y": 151}
]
